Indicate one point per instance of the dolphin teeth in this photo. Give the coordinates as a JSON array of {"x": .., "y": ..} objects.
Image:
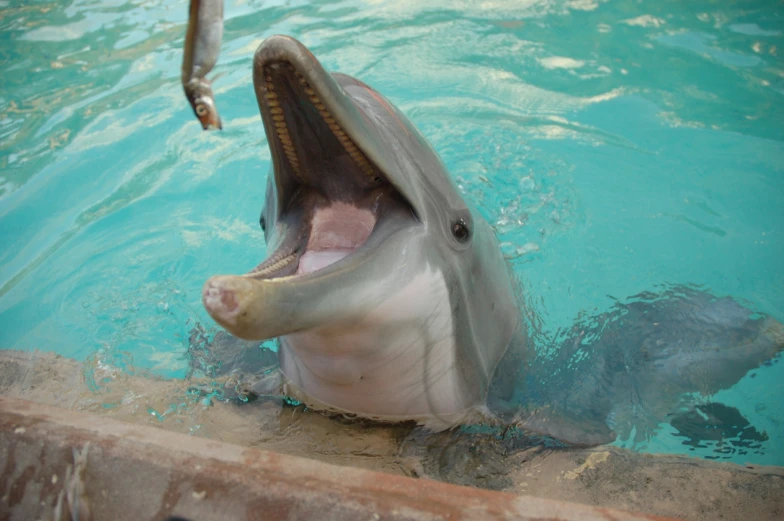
[
  {"x": 276, "y": 265},
  {"x": 279, "y": 122},
  {"x": 281, "y": 128}
]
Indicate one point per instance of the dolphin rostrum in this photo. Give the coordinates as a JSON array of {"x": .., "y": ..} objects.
[{"x": 387, "y": 291}]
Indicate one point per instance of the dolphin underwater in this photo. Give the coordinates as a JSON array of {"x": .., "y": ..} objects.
[{"x": 391, "y": 300}]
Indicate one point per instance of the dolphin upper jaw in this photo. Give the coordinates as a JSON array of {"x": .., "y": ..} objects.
[{"x": 283, "y": 52}]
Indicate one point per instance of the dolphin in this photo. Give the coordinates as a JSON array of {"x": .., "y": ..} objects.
[{"x": 388, "y": 293}]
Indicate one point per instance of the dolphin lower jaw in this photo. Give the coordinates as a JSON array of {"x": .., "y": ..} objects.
[
  {"x": 317, "y": 232},
  {"x": 263, "y": 307}
]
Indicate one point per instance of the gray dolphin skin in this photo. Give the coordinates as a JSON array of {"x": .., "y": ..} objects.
[
  {"x": 388, "y": 292},
  {"x": 391, "y": 300}
]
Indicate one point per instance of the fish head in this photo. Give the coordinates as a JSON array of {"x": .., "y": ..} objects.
[{"x": 201, "y": 99}]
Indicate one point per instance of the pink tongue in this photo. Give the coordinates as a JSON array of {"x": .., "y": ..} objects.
[
  {"x": 315, "y": 260},
  {"x": 338, "y": 230}
]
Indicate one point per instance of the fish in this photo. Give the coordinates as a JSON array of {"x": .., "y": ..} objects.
[{"x": 202, "y": 46}]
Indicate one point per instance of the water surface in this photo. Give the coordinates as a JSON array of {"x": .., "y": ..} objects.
[{"x": 615, "y": 146}]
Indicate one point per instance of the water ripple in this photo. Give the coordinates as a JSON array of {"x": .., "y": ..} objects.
[{"x": 613, "y": 146}]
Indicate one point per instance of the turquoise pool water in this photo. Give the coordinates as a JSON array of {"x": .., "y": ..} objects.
[{"x": 615, "y": 146}]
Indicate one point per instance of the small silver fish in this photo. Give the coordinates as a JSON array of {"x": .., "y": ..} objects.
[{"x": 202, "y": 46}]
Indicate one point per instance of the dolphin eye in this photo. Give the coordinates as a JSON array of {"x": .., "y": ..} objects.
[
  {"x": 201, "y": 110},
  {"x": 460, "y": 230},
  {"x": 263, "y": 223}
]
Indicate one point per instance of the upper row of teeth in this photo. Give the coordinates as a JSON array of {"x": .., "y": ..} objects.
[
  {"x": 278, "y": 120},
  {"x": 280, "y": 126}
]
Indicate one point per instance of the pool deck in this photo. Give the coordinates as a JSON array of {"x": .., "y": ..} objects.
[
  {"x": 137, "y": 472},
  {"x": 140, "y": 467}
]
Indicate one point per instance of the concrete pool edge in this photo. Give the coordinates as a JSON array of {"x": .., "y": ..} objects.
[{"x": 140, "y": 472}]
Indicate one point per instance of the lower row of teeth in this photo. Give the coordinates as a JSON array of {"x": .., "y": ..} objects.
[
  {"x": 274, "y": 267},
  {"x": 278, "y": 120}
]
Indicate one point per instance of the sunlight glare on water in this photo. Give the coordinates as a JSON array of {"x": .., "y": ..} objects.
[{"x": 614, "y": 145}]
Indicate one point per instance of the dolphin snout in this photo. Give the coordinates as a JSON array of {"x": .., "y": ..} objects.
[
  {"x": 220, "y": 299},
  {"x": 245, "y": 307}
]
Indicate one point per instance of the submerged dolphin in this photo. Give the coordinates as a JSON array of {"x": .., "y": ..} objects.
[{"x": 388, "y": 292}]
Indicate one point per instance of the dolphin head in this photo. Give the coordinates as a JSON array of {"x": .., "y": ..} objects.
[{"x": 388, "y": 291}]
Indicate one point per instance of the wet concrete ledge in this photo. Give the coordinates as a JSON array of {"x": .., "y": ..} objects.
[{"x": 138, "y": 473}]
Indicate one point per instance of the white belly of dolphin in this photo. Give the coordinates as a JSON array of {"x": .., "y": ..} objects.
[{"x": 396, "y": 362}]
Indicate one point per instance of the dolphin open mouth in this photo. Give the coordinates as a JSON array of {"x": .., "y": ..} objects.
[
  {"x": 330, "y": 208},
  {"x": 331, "y": 197}
]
